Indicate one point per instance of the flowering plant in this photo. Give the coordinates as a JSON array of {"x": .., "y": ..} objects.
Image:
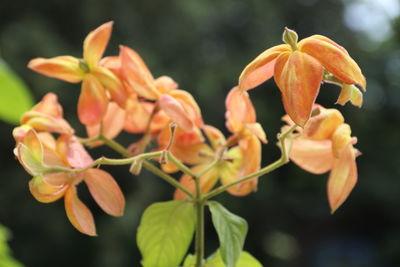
[{"x": 119, "y": 93}]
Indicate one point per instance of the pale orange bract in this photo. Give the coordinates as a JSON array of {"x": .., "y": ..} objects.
[{"x": 298, "y": 69}]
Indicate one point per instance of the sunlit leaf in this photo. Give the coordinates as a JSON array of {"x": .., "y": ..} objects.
[
  {"x": 15, "y": 97},
  {"x": 165, "y": 233},
  {"x": 231, "y": 230}
]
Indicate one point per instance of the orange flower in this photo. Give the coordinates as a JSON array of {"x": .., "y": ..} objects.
[
  {"x": 178, "y": 105},
  {"x": 95, "y": 78},
  {"x": 325, "y": 144},
  {"x": 40, "y": 154},
  {"x": 299, "y": 68}
]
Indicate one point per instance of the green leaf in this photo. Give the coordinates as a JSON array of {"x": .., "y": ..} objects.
[
  {"x": 165, "y": 233},
  {"x": 15, "y": 97},
  {"x": 231, "y": 230},
  {"x": 6, "y": 258},
  {"x": 190, "y": 261},
  {"x": 245, "y": 260}
]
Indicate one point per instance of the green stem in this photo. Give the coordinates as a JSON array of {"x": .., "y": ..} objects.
[
  {"x": 150, "y": 167},
  {"x": 179, "y": 164},
  {"x": 199, "y": 243},
  {"x": 280, "y": 162}
]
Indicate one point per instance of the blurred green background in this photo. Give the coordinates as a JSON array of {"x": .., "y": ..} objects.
[{"x": 204, "y": 45}]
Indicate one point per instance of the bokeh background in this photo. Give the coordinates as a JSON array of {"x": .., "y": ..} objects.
[{"x": 204, "y": 45}]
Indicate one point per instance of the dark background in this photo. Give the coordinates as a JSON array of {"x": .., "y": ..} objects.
[{"x": 204, "y": 45}]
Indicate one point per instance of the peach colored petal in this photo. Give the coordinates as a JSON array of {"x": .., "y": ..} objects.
[
  {"x": 45, "y": 192},
  {"x": 343, "y": 177},
  {"x": 341, "y": 138},
  {"x": 239, "y": 110},
  {"x": 137, "y": 115},
  {"x": 257, "y": 130},
  {"x": 78, "y": 214},
  {"x": 189, "y": 104},
  {"x": 137, "y": 74},
  {"x": 298, "y": 76},
  {"x": 49, "y": 105},
  {"x": 323, "y": 125},
  {"x": 261, "y": 68},
  {"x": 105, "y": 191},
  {"x": 93, "y": 101},
  {"x": 75, "y": 155},
  {"x": 350, "y": 93},
  {"x": 112, "y": 84},
  {"x": 113, "y": 123},
  {"x": 95, "y": 44},
  {"x": 207, "y": 181},
  {"x": 214, "y": 136},
  {"x": 176, "y": 112},
  {"x": 314, "y": 156},
  {"x": 43, "y": 122},
  {"x": 164, "y": 84},
  {"x": 65, "y": 68},
  {"x": 334, "y": 60},
  {"x": 20, "y": 132}
]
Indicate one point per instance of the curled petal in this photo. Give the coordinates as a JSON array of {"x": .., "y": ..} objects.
[
  {"x": 112, "y": 84},
  {"x": 105, "y": 191},
  {"x": 241, "y": 161},
  {"x": 323, "y": 125},
  {"x": 350, "y": 93},
  {"x": 93, "y": 101},
  {"x": 257, "y": 130},
  {"x": 215, "y": 136},
  {"x": 42, "y": 122},
  {"x": 65, "y": 68},
  {"x": 239, "y": 110},
  {"x": 113, "y": 123},
  {"x": 261, "y": 68},
  {"x": 30, "y": 153},
  {"x": 137, "y": 74},
  {"x": 176, "y": 112},
  {"x": 314, "y": 156},
  {"x": 341, "y": 138},
  {"x": 74, "y": 153},
  {"x": 165, "y": 84},
  {"x": 20, "y": 132},
  {"x": 189, "y": 104},
  {"x": 343, "y": 177},
  {"x": 45, "y": 192},
  {"x": 95, "y": 44},
  {"x": 49, "y": 105},
  {"x": 78, "y": 214},
  {"x": 298, "y": 76},
  {"x": 207, "y": 181},
  {"x": 334, "y": 59}
]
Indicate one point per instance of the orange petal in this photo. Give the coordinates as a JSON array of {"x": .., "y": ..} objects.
[
  {"x": 93, "y": 101},
  {"x": 341, "y": 138},
  {"x": 176, "y": 112},
  {"x": 314, "y": 156},
  {"x": 261, "y": 68},
  {"x": 298, "y": 76},
  {"x": 73, "y": 151},
  {"x": 343, "y": 178},
  {"x": 350, "y": 93},
  {"x": 334, "y": 59},
  {"x": 105, "y": 191},
  {"x": 113, "y": 123},
  {"x": 239, "y": 110},
  {"x": 30, "y": 153},
  {"x": 189, "y": 104},
  {"x": 45, "y": 192},
  {"x": 137, "y": 74},
  {"x": 137, "y": 115},
  {"x": 49, "y": 105},
  {"x": 242, "y": 160},
  {"x": 112, "y": 84},
  {"x": 164, "y": 84},
  {"x": 207, "y": 181},
  {"x": 257, "y": 130},
  {"x": 323, "y": 125},
  {"x": 214, "y": 136},
  {"x": 65, "y": 68},
  {"x": 78, "y": 214},
  {"x": 95, "y": 44}
]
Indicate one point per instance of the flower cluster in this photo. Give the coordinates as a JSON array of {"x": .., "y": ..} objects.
[{"x": 119, "y": 93}]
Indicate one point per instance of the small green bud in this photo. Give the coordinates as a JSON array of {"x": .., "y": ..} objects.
[
  {"x": 84, "y": 66},
  {"x": 290, "y": 37}
]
